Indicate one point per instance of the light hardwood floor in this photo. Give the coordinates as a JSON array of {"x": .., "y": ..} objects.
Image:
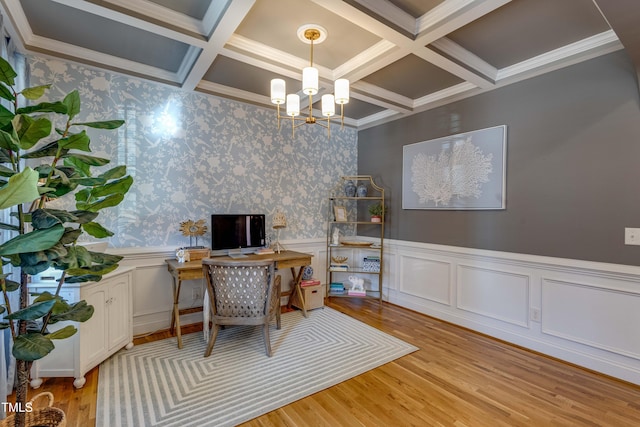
[{"x": 457, "y": 378}]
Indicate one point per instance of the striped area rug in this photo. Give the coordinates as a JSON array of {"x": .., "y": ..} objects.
[{"x": 156, "y": 384}]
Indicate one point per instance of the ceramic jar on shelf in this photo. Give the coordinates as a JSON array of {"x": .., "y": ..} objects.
[{"x": 350, "y": 188}]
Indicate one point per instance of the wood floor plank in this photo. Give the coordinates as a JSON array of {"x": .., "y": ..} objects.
[{"x": 458, "y": 378}]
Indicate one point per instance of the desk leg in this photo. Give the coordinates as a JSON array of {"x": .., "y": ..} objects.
[
  {"x": 297, "y": 278},
  {"x": 175, "y": 314}
]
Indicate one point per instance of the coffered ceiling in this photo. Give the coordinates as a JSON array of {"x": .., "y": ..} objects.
[{"x": 401, "y": 56}]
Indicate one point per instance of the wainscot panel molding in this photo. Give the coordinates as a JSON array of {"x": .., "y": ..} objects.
[{"x": 582, "y": 312}]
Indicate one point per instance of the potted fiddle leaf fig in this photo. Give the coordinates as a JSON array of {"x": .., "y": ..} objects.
[{"x": 48, "y": 136}]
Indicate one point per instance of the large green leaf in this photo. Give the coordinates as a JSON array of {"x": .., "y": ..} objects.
[
  {"x": 120, "y": 186},
  {"x": 48, "y": 150},
  {"x": 63, "y": 333},
  {"x": 7, "y": 74},
  {"x": 79, "y": 141},
  {"x": 22, "y": 188},
  {"x": 72, "y": 101},
  {"x": 32, "y": 346},
  {"x": 37, "y": 240},
  {"x": 5, "y": 171},
  {"x": 89, "y": 182},
  {"x": 45, "y": 218},
  {"x": 5, "y": 115},
  {"x": 9, "y": 140},
  {"x": 33, "y": 93},
  {"x": 107, "y": 202},
  {"x": 34, "y": 311},
  {"x": 108, "y": 124},
  {"x": 11, "y": 285},
  {"x": 79, "y": 312},
  {"x": 70, "y": 235},
  {"x": 5, "y": 93},
  {"x": 83, "y": 278},
  {"x": 30, "y": 130},
  {"x": 96, "y": 230},
  {"x": 84, "y": 216},
  {"x": 34, "y": 269},
  {"x": 44, "y": 107},
  {"x": 114, "y": 173},
  {"x": 90, "y": 160},
  {"x": 82, "y": 168},
  {"x": 106, "y": 259},
  {"x": 4, "y": 156},
  {"x": 99, "y": 269}
]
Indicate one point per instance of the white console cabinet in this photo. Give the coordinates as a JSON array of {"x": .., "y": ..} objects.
[{"x": 107, "y": 331}]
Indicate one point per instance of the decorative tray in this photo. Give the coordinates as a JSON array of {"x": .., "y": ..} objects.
[{"x": 356, "y": 243}]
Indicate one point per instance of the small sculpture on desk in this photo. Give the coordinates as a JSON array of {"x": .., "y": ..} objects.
[
  {"x": 335, "y": 239},
  {"x": 180, "y": 255}
]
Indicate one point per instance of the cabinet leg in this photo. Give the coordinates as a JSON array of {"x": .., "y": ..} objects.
[
  {"x": 128, "y": 346},
  {"x": 79, "y": 382},
  {"x": 36, "y": 382}
]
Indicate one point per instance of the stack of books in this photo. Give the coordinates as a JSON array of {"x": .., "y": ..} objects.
[
  {"x": 336, "y": 288},
  {"x": 264, "y": 251},
  {"x": 371, "y": 263},
  {"x": 309, "y": 282},
  {"x": 353, "y": 293},
  {"x": 334, "y": 266}
]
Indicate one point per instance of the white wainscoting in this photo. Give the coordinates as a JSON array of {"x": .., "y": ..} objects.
[{"x": 586, "y": 313}]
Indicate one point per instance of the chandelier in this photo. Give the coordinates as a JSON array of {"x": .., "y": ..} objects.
[{"x": 310, "y": 34}]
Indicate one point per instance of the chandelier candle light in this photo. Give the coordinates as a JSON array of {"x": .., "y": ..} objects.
[{"x": 309, "y": 34}]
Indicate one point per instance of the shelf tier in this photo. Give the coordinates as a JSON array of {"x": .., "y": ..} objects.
[
  {"x": 355, "y": 198},
  {"x": 354, "y": 270},
  {"x": 370, "y": 294},
  {"x": 356, "y": 222}
]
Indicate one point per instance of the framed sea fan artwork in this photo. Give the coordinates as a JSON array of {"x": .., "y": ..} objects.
[{"x": 465, "y": 171}]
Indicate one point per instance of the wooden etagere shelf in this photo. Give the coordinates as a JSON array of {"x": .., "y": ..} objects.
[{"x": 353, "y": 256}]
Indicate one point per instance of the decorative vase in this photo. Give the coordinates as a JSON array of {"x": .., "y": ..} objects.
[
  {"x": 307, "y": 273},
  {"x": 362, "y": 190},
  {"x": 350, "y": 189}
]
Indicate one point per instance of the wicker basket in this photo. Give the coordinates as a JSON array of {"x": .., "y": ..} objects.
[{"x": 46, "y": 417}]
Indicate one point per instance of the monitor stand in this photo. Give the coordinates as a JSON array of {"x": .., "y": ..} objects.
[{"x": 236, "y": 253}]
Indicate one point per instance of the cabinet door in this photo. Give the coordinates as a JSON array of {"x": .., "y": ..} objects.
[
  {"x": 94, "y": 333},
  {"x": 119, "y": 306}
]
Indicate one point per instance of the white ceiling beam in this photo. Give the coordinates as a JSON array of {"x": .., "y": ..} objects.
[
  {"x": 123, "y": 18},
  {"x": 408, "y": 45},
  {"x": 107, "y": 61},
  {"x": 159, "y": 13},
  {"x": 454, "y": 50},
  {"x": 590, "y": 47},
  {"x": 233, "y": 16}
]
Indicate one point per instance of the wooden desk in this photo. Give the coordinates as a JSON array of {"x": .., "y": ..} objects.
[{"x": 193, "y": 270}]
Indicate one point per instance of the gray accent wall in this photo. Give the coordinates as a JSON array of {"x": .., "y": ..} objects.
[{"x": 573, "y": 165}]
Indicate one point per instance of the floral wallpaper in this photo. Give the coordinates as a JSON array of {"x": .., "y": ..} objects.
[{"x": 193, "y": 154}]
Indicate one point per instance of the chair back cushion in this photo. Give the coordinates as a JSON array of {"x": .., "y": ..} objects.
[{"x": 240, "y": 288}]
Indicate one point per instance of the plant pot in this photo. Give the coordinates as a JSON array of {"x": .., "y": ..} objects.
[{"x": 376, "y": 218}]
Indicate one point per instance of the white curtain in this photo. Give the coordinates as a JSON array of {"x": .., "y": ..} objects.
[{"x": 7, "y": 362}]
